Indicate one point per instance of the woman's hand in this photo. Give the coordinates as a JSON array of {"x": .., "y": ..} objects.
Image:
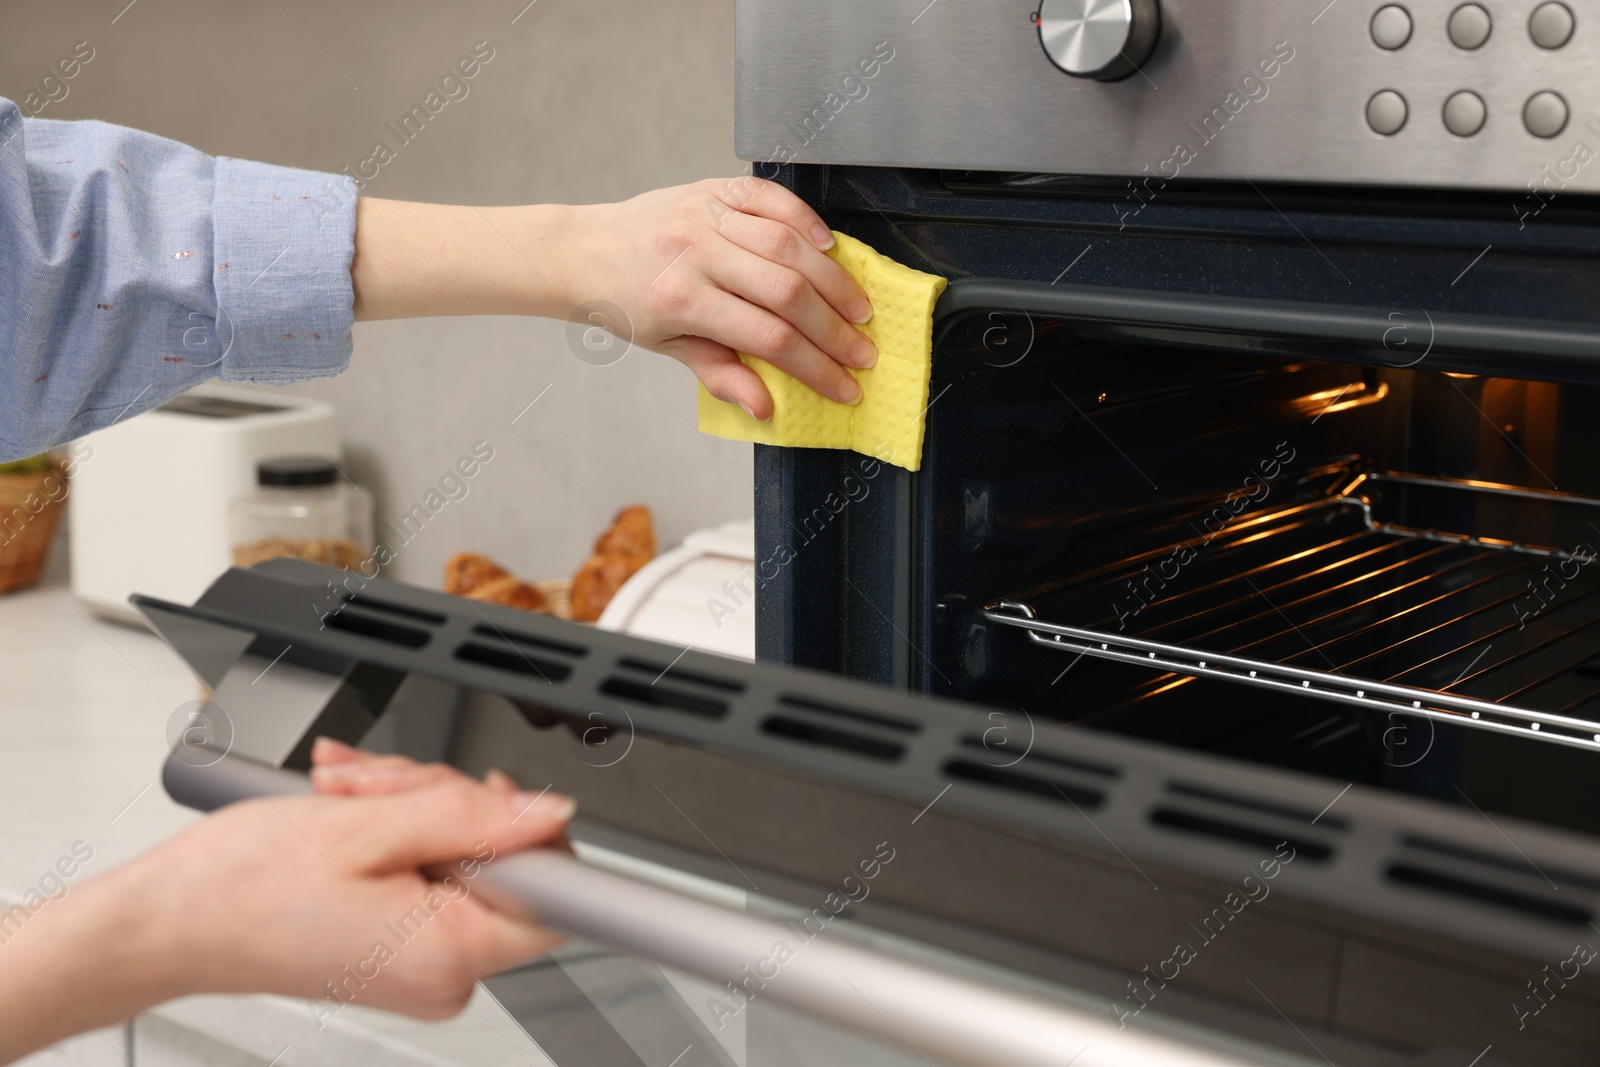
[
  {"x": 341, "y": 770},
  {"x": 701, "y": 271},
  {"x": 364, "y": 899},
  {"x": 295, "y": 895},
  {"x": 708, "y": 269}
]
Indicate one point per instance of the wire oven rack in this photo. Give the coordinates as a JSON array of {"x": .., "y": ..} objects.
[{"x": 1327, "y": 600}]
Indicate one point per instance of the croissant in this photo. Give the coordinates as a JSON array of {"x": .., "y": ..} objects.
[
  {"x": 631, "y": 534},
  {"x": 510, "y": 591},
  {"x": 466, "y": 571},
  {"x": 481, "y": 578},
  {"x": 627, "y": 545}
]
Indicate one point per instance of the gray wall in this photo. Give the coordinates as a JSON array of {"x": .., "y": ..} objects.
[{"x": 583, "y": 102}]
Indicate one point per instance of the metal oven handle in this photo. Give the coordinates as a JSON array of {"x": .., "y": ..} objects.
[{"x": 942, "y": 1015}]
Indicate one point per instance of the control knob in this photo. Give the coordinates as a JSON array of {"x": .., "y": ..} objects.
[{"x": 1101, "y": 39}]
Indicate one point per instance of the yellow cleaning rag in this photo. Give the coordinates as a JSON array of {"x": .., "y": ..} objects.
[{"x": 888, "y": 422}]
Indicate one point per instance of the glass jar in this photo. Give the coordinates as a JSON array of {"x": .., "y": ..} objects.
[{"x": 304, "y": 508}]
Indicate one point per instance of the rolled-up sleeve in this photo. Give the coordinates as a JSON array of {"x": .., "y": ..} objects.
[{"x": 133, "y": 267}]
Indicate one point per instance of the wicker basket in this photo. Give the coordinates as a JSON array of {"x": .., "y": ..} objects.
[
  {"x": 557, "y": 597},
  {"x": 28, "y": 518}
]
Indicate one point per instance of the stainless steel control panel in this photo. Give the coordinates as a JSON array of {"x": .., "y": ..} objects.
[{"x": 1489, "y": 94}]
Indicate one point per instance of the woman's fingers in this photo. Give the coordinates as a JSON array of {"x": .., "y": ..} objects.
[
  {"x": 748, "y": 276},
  {"x": 505, "y": 942},
  {"x": 483, "y": 942},
  {"x": 743, "y": 326},
  {"x": 757, "y": 196},
  {"x": 379, "y": 775},
  {"x": 341, "y": 770},
  {"x": 326, "y": 750},
  {"x": 779, "y": 243},
  {"x": 804, "y": 302},
  {"x": 722, "y": 373},
  {"x": 789, "y": 294},
  {"x": 449, "y": 821}
]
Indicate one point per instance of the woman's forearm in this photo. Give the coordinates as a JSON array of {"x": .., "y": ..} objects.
[
  {"x": 699, "y": 272},
  {"x": 86, "y": 960},
  {"x": 413, "y": 260},
  {"x": 288, "y": 897}
]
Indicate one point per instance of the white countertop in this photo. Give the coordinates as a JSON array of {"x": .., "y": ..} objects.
[{"x": 84, "y": 705}]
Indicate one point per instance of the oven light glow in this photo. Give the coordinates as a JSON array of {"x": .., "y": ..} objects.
[{"x": 1328, "y": 401}]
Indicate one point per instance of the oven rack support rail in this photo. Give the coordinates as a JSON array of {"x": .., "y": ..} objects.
[
  {"x": 291, "y": 652},
  {"x": 1386, "y": 697}
]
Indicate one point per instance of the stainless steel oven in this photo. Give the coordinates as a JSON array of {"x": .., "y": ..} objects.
[
  {"x": 1261, "y": 426},
  {"x": 1224, "y": 687}
]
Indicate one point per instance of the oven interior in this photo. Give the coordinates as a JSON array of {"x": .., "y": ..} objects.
[{"x": 1318, "y": 529}]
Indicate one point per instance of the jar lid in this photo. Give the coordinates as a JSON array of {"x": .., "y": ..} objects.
[{"x": 296, "y": 471}]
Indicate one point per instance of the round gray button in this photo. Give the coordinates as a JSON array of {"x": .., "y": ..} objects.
[
  {"x": 1551, "y": 25},
  {"x": 1391, "y": 27},
  {"x": 1464, "y": 113},
  {"x": 1386, "y": 112},
  {"x": 1469, "y": 26},
  {"x": 1545, "y": 114}
]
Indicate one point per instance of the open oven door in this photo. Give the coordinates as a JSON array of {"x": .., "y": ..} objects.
[
  {"x": 780, "y": 866},
  {"x": 678, "y": 958}
]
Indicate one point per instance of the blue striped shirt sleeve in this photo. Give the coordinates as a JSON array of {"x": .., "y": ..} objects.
[{"x": 133, "y": 267}]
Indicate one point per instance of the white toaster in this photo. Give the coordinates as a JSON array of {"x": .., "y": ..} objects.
[{"x": 149, "y": 497}]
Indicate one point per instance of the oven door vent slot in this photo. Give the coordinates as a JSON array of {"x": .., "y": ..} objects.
[
  {"x": 664, "y": 696},
  {"x": 1238, "y": 833},
  {"x": 1036, "y": 755},
  {"x": 376, "y": 627},
  {"x": 872, "y": 718},
  {"x": 1254, "y": 804},
  {"x": 811, "y": 733},
  {"x": 544, "y": 644},
  {"x": 513, "y": 660},
  {"x": 682, "y": 675},
  {"x": 367, "y": 603},
  {"x": 1372, "y": 695},
  {"x": 1508, "y": 864},
  {"x": 1417, "y": 876},
  {"x": 1004, "y": 778}
]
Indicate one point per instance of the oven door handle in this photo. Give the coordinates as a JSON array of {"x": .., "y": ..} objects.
[{"x": 942, "y": 1015}]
